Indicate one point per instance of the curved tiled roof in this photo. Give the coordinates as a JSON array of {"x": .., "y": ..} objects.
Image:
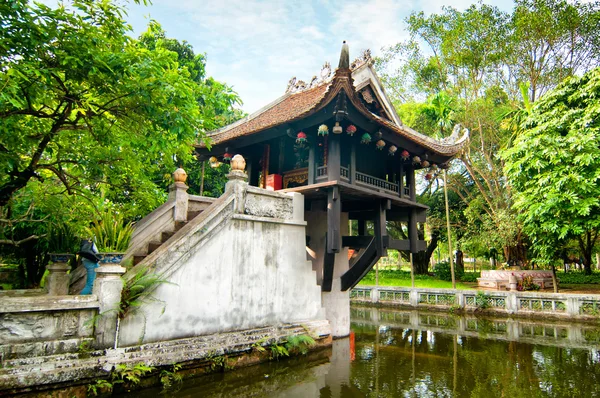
[{"x": 294, "y": 106}]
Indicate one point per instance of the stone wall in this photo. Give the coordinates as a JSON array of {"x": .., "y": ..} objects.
[
  {"x": 58, "y": 323},
  {"x": 240, "y": 265}
]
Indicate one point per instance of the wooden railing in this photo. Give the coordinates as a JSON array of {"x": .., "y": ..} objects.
[
  {"x": 344, "y": 174},
  {"x": 374, "y": 182},
  {"x": 321, "y": 172}
]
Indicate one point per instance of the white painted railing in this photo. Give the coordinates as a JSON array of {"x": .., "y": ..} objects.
[{"x": 577, "y": 305}]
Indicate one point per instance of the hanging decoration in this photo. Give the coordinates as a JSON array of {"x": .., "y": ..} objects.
[
  {"x": 425, "y": 163},
  {"x": 323, "y": 130},
  {"x": 434, "y": 167},
  {"x": 378, "y": 135},
  {"x": 380, "y": 144},
  {"x": 392, "y": 150},
  {"x": 301, "y": 138},
  {"x": 428, "y": 176},
  {"x": 416, "y": 159},
  {"x": 227, "y": 157},
  {"x": 405, "y": 155},
  {"x": 337, "y": 129},
  {"x": 214, "y": 162},
  {"x": 351, "y": 130},
  {"x": 365, "y": 139}
]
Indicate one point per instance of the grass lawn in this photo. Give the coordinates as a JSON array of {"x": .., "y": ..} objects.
[
  {"x": 432, "y": 283},
  {"x": 402, "y": 279}
]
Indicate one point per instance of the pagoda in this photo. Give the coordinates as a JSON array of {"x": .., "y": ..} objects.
[{"x": 339, "y": 141}]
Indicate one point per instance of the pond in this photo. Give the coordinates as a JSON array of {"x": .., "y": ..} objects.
[{"x": 397, "y": 353}]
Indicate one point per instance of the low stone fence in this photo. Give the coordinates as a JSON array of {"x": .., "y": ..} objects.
[
  {"x": 524, "y": 303},
  {"x": 45, "y": 325}
]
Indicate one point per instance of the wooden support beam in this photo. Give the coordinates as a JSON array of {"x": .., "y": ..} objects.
[
  {"x": 413, "y": 234},
  {"x": 334, "y": 210},
  {"x": 402, "y": 182},
  {"x": 352, "y": 168},
  {"x": 328, "y": 262},
  {"x": 380, "y": 228},
  {"x": 397, "y": 244},
  {"x": 334, "y": 157},
  {"x": 356, "y": 242},
  {"x": 362, "y": 227},
  {"x": 410, "y": 176},
  {"x": 391, "y": 215},
  {"x": 362, "y": 266},
  {"x": 312, "y": 165}
]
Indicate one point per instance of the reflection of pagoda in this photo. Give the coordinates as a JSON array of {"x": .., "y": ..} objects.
[{"x": 339, "y": 142}]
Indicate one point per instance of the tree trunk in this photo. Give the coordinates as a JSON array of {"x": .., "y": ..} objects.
[
  {"x": 421, "y": 259},
  {"x": 586, "y": 246}
]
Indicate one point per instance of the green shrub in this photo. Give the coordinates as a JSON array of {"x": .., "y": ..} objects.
[
  {"x": 470, "y": 276},
  {"x": 578, "y": 278},
  {"x": 443, "y": 272}
]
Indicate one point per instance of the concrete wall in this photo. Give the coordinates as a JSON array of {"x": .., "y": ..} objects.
[
  {"x": 250, "y": 271},
  {"x": 336, "y": 302}
]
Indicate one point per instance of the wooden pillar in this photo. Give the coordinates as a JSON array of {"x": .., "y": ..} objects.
[
  {"x": 252, "y": 172},
  {"x": 282, "y": 142},
  {"x": 362, "y": 224},
  {"x": 380, "y": 227},
  {"x": 312, "y": 165},
  {"x": 333, "y": 158},
  {"x": 334, "y": 212},
  {"x": 352, "y": 168},
  {"x": 410, "y": 175},
  {"x": 401, "y": 179},
  {"x": 413, "y": 234}
]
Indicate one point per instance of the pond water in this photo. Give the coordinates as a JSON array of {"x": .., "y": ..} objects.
[{"x": 395, "y": 353}]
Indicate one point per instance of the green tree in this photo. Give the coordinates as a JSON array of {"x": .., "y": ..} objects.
[
  {"x": 479, "y": 57},
  {"x": 92, "y": 119},
  {"x": 554, "y": 169}
]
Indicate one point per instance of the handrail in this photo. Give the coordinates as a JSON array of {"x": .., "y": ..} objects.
[{"x": 365, "y": 179}]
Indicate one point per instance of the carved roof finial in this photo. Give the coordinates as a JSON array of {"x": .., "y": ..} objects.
[{"x": 344, "y": 57}]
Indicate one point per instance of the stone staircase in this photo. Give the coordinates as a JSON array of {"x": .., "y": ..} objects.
[{"x": 160, "y": 232}]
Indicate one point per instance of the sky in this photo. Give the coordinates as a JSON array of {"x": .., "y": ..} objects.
[{"x": 257, "y": 46}]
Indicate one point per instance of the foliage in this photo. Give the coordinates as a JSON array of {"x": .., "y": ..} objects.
[
  {"x": 526, "y": 283},
  {"x": 480, "y": 59},
  {"x": 470, "y": 276},
  {"x": 111, "y": 233},
  {"x": 218, "y": 362},
  {"x": 130, "y": 375},
  {"x": 278, "y": 351},
  {"x": 554, "y": 169},
  {"x": 137, "y": 290},
  {"x": 299, "y": 344},
  {"x": 443, "y": 272},
  {"x": 578, "y": 278},
  {"x": 481, "y": 300},
  {"x": 170, "y": 378},
  {"x": 92, "y": 118}
]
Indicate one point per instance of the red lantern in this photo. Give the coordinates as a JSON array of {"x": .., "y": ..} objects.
[
  {"x": 405, "y": 155},
  {"x": 351, "y": 130},
  {"x": 227, "y": 157},
  {"x": 301, "y": 138}
]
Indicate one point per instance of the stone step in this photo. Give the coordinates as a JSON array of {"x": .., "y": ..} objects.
[
  {"x": 153, "y": 245},
  {"x": 193, "y": 214},
  {"x": 166, "y": 236},
  {"x": 138, "y": 259}
]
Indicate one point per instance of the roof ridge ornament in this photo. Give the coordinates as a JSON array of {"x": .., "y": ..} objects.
[
  {"x": 296, "y": 86},
  {"x": 365, "y": 57},
  {"x": 344, "y": 57}
]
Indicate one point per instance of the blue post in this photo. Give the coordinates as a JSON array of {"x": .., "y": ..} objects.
[{"x": 90, "y": 268}]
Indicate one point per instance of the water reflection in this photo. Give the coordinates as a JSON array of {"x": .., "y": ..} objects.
[{"x": 412, "y": 354}]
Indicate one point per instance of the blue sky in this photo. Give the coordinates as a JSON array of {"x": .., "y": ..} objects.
[{"x": 257, "y": 46}]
